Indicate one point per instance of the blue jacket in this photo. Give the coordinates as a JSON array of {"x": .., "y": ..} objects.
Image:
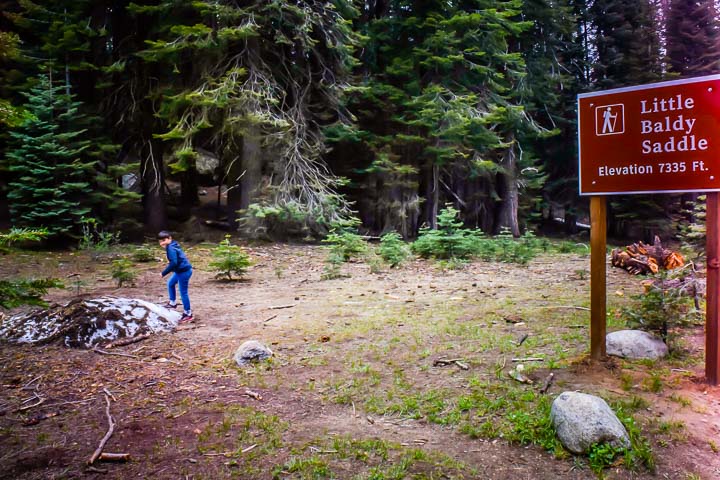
[{"x": 178, "y": 261}]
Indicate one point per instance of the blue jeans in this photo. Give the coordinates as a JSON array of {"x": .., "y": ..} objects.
[{"x": 183, "y": 279}]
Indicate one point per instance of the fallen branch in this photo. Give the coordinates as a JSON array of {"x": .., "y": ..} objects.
[
  {"x": 548, "y": 382},
  {"x": 280, "y": 307},
  {"x": 114, "y": 457},
  {"x": 111, "y": 429},
  {"x": 127, "y": 341},
  {"x": 103, "y": 352},
  {"x": 522, "y": 339},
  {"x": 218, "y": 454},
  {"x": 267, "y": 320},
  {"x": 39, "y": 418},
  {"x": 252, "y": 394},
  {"x": 528, "y": 359},
  {"x": 575, "y": 307}
]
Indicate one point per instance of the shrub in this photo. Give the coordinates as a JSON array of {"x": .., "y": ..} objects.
[
  {"x": 14, "y": 293},
  {"x": 229, "y": 259},
  {"x": 344, "y": 242},
  {"x": 393, "y": 250},
  {"x": 449, "y": 240},
  {"x": 144, "y": 254},
  {"x": 666, "y": 303},
  {"x": 20, "y": 235},
  {"x": 122, "y": 271},
  {"x": 95, "y": 239}
]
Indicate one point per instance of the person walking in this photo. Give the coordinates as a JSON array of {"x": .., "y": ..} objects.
[{"x": 181, "y": 268}]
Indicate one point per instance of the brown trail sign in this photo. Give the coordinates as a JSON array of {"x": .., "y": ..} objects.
[{"x": 662, "y": 137}]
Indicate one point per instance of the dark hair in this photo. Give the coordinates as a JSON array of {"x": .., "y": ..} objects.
[{"x": 163, "y": 234}]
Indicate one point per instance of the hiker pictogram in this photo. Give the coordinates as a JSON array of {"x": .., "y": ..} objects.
[{"x": 610, "y": 119}]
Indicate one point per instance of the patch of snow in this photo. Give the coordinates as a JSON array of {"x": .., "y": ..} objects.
[{"x": 89, "y": 322}]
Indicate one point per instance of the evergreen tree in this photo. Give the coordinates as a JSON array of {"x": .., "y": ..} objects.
[
  {"x": 439, "y": 113},
  {"x": 693, "y": 37},
  {"x": 627, "y": 43},
  {"x": 51, "y": 173},
  {"x": 555, "y": 57},
  {"x": 255, "y": 84}
]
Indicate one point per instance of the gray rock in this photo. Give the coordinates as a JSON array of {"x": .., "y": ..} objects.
[
  {"x": 582, "y": 420},
  {"x": 252, "y": 351},
  {"x": 635, "y": 344},
  {"x": 206, "y": 162},
  {"x": 131, "y": 182}
]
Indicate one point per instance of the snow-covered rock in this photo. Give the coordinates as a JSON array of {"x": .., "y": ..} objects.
[{"x": 86, "y": 323}]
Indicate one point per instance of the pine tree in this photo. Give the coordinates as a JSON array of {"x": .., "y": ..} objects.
[
  {"x": 627, "y": 42},
  {"x": 440, "y": 113},
  {"x": 693, "y": 37},
  {"x": 255, "y": 84},
  {"x": 51, "y": 174}
]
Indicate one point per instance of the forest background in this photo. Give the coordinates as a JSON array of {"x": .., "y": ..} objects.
[{"x": 306, "y": 113}]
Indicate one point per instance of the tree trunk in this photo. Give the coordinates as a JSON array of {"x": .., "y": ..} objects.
[
  {"x": 153, "y": 181},
  {"x": 252, "y": 166},
  {"x": 244, "y": 177},
  {"x": 189, "y": 190},
  {"x": 508, "y": 190}
]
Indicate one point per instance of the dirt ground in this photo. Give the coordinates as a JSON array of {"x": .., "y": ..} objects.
[{"x": 352, "y": 389}]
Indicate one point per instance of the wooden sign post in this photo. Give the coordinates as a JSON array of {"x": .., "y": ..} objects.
[
  {"x": 712, "y": 312},
  {"x": 598, "y": 290},
  {"x": 657, "y": 138}
]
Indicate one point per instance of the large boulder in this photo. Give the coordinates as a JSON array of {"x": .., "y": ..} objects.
[
  {"x": 252, "y": 351},
  {"x": 582, "y": 420},
  {"x": 635, "y": 344},
  {"x": 87, "y": 323}
]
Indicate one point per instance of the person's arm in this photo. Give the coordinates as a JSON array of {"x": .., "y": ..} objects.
[{"x": 172, "y": 258}]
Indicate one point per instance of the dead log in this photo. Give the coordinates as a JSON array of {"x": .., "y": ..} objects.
[{"x": 640, "y": 258}]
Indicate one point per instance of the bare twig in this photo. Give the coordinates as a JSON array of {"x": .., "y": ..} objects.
[
  {"x": 268, "y": 319},
  {"x": 107, "y": 392},
  {"x": 567, "y": 306},
  {"x": 103, "y": 352},
  {"x": 522, "y": 339},
  {"x": 245, "y": 450},
  {"x": 31, "y": 382},
  {"x": 279, "y": 307},
  {"x": 528, "y": 359},
  {"x": 40, "y": 401},
  {"x": 111, "y": 429}
]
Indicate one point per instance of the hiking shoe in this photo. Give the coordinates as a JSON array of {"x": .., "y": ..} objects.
[
  {"x": 170, "y": 305},
  {"x": 186, "y": 318}
]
